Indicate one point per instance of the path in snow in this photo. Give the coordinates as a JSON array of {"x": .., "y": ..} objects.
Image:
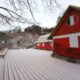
[{"x": 32, "y": 64}]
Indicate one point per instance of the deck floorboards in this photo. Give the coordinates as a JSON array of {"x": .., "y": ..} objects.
[{"x": 32, "y": 64}]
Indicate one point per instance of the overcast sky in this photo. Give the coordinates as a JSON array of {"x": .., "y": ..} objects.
[{"x": 45, "y": 18}]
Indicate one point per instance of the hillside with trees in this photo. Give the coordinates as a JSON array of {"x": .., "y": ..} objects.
[{"x": 36, "y": 29}]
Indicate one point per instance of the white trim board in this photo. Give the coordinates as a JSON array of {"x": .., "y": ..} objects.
[
  {"x": 73, "y": 39},
  {"x": 66, "y": 35}
]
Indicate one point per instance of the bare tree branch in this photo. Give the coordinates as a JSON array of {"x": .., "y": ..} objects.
[
  {"x": 30, "y": 5},
  {"x": 13, "y": 3},
  {"x": 30, "y": 10},
  {"x": 13, "y": 16}
]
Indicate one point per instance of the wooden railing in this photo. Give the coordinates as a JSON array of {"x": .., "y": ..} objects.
[{"x": 2, "y": 47}]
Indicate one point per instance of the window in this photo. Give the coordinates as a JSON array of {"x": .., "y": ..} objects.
[
  {"x": 74, "y": 42},
  {"x": 42, "y": 44},
  {"x": 51, "y": 44},
  {"x": 37, "y": 44},
  {"x": 72, "y": 20}
]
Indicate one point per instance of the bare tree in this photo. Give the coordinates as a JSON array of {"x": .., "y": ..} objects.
[
  {"x": 13, "y": 17},
  {"x": 20, "y": 5}
]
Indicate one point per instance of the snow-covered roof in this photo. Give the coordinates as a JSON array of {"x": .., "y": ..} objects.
[{"x": 44, "y": 38}]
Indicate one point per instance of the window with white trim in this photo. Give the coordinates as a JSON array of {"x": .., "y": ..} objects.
[
  {"x": 42, "y": 44},
  {"x": 72, "y": 20},
  {"x": 74, "y": 42},
  {"x": 37, "y": 44}
]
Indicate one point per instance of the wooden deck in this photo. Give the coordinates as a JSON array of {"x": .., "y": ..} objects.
[
  {"x": 34, "y": 64},
  {"x": 3, "y": 52}
]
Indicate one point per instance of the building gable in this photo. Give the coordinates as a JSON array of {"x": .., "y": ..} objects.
[{"x": 69, "y": 23}]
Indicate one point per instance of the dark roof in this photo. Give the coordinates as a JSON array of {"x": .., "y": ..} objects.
[{"x": 65, "y": 13}]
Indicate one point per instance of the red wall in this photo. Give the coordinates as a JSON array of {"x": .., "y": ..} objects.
[
  {"x": 47, "y": 46},
  {"x": 61, "y": 47},
  {"x": 66, "y": 29},
  {"x": 39, "y": 46}
]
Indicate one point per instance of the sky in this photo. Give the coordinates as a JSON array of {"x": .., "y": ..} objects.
[{"x": 44, "y": 17}]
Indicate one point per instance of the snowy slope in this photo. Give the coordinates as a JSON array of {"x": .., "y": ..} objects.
[{"x": 32, "y": 64}]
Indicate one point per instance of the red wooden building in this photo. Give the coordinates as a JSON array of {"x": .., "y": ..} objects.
[
  {"x": 66, "y": 35},
  {"x": 44, "y": 43}
]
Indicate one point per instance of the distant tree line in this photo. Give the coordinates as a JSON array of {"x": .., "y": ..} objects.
[{"x": 36, "y": 29}]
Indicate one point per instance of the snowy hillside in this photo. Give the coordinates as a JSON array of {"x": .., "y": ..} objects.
[{"x": 32, "y": 64}]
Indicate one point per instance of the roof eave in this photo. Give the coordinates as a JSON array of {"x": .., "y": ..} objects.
[{"x": 65, "y": 13}]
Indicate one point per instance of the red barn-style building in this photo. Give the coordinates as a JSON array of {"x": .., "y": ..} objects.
[
  {"x": 44, "y": 43},
  {"x": 66, "y": 35}
]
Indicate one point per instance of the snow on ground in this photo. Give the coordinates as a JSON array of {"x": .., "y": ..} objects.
[{"x": 33, "y": 64}]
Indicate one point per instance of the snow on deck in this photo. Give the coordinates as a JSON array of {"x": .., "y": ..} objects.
[{"x": 32, "y": 64}]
